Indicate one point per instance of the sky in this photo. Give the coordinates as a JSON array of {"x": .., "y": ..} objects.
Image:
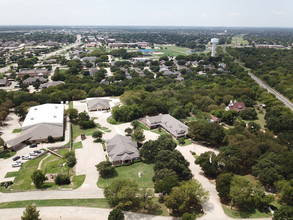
[{"x": 228, "y": 13}]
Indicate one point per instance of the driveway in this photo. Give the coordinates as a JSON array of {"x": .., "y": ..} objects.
[
  {"x": 87, "y": 157},
  {"x": 212, "y": 208}
]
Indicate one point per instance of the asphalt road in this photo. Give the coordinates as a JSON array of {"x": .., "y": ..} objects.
[{"x": 279, "y": 96}]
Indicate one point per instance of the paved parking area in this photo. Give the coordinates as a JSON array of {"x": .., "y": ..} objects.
[{"x": 87, "y": 157}]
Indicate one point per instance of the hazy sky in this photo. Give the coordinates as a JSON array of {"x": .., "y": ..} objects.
[{"x": 252, "y": 13}]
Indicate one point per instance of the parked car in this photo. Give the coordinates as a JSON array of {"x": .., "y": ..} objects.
[
  {"x": 16, "y": 158},
  {"x": 82, "y": 136},
  {"x": 37, "y": 151},
  {"x": 33, "y": 154},
  {"x": 16, "y": 164},
  {"x": 33, "y": 145},
  {"x": 26, "y": 157}
]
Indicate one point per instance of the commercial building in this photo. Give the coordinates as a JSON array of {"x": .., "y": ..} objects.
[{"x": 40, "y": 122}]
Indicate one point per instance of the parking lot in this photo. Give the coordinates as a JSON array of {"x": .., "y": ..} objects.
[{"x": 6, "y": 164}]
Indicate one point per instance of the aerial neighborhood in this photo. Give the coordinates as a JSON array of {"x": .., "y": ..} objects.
[{"x": 148, "y": 123}]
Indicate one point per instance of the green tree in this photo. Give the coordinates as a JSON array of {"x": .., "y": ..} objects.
[
  {"x": 31, "y": 213},
  {"x": 223, "y": 184},
  {"x": 122, "y": 193},
  {"x": 188, "y": 216},
  {"x": 72, "y": 114},
  {"x": 116, "y": 214},
  {"x": 105, "y": 169},
  {"x": 248, "y": 114},
  {"x": 138, "y": 135},
  {"x": 38, "y": 178},
  {"x": 98, "y": 135},
  {"x": 186, "y": 197},
  {"x": 135, "y": 124},
  {"x": 284, "y": 213},
  {"x": 209, "y": 163},
  {"x": 128, "y": 131}
]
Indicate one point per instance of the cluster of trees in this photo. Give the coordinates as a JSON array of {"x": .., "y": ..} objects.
[
  {"x": 82, "y": 119},
  {"x": 272, "y": 65}
]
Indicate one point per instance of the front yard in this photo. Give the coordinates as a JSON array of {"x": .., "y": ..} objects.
[{"x": 132, "y": 172}]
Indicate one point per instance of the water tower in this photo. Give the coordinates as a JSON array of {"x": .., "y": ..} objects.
[{"x": 214, "y": 42}]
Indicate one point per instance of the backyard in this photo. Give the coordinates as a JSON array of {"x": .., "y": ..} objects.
[{"x": 132, "y": 172}]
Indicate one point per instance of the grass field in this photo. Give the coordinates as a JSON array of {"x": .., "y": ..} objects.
[
  {"x": 172, "y": 50},
  {"x": 54, "y": 164},
  {"x": 17, "y": 130},
  {"x": 11, "y": 174},
  {"x": 131, "y": 172},
  {"x": 159, "y": 131},
  {"x": 96, "y": 203},
  {"x": 112, "y": 121},
  {"x": 261, "y": 118},
  {"x": 78, "y": 181},
  {"x": 237, "y": 214},
  {"x": 77, "y": 145},
  {"x": 237, "y": 40},
  {"x": 5, "y": 154},
  {"x": 143, "y": 126}
]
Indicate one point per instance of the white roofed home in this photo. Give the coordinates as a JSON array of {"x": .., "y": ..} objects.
[{"x": 40, "y": 122}]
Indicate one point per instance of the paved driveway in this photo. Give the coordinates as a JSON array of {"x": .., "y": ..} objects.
[{"x": 87, "y": 157}]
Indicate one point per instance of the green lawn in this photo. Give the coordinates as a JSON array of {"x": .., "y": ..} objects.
[
  {"x": 143, "y": 126},
  {"x": 187, "y": 142},
  {"x": 131, "y": 172},
  {"x": 238, "y": 40},
  {"x": 77, "y": 145},
  {"x": 173, "y": 50},
  {"x": 261, "y": 118},
  {"x": 5, "y": 154},
  {"x": 77, "y": 131},
  {"x": 96, "y": 203},
  {"x": 105, "y": 130},
  {"x": 17, "y": 130},
  {"x": 78, "y": 181},
  {"x": 11, "y": 174},
  {"x": 237, "y": 214},
  {"x": 159, "y": 131},
  {"x": 54, "y": 164},
  {"x": 70, "y": 104}
]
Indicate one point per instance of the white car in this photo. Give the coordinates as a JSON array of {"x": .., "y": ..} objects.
[
  {"x": 26, "y": 157},
  {"x": 33, "y": 154},
  {"x": 17, "y": 164}
]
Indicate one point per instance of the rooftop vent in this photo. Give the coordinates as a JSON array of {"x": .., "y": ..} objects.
[
  {"x": 35, "y": 108},
  {"x": 32, "y": 118},
  {"x": 54, "y": 116}
]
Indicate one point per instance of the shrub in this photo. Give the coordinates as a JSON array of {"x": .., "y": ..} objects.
[
  {"x": 50, "y": 139},
  {"x": 116, "y": 214},
  {"x": 62, "y": 179}
]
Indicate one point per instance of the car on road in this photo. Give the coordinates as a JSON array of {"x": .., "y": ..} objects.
[
  {"x": 16, "y": 158},
  {"x": 26, "y": 157},
  {"x": 17, "y": 164},
  {"x": 33, "y": 145}
]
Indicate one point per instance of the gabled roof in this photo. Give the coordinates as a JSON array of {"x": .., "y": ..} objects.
[
  {"x": 97, "y": 103},
  {"x": 51, "y": 83},
  {"x": 122, "y": 148}
]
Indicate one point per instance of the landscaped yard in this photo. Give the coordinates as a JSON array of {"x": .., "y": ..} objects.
[
  {"x": 159, "y": 131},
  {"x": 6, "y": 153},
  {"x": 131, "y": 172},
  {"x": 77, "y": 131},
  {"x": 50, "y": 165},
  {"x": 238, "y": 214}
]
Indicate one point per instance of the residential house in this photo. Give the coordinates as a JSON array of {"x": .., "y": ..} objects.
[
  {"x": 31, "y": 80},
  {"x": 95, "y": 104},
  {"x": 51, "y": 84},
  {"x": 33, "y": 72},
  {"x": 4, "y": 82},
  {"x": 122, "y": 150},
  {"x": 173, "y": 126}
]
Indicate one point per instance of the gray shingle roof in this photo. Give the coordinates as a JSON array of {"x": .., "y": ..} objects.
[
  {"x": 95, "y": 104},
  {"x": 122, "y": 148}
]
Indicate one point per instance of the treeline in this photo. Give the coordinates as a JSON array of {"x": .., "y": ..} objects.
[{"x": 273, "y": 66}]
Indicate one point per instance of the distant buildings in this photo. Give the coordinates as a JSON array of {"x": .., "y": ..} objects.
[
  {"x": 96, "y": 104},
  {"x": 31, "y": 80},
  {"x": 173, "y": 126},
  {"x": 4, "y": 82},
  {"x": 33, "y": 72},
  {"x": 51, "y": 84}
]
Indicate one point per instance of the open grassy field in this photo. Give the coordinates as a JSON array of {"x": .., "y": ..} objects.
[
  {"x": 54, "y": 164},
  {"x": 11, "y": 174},
  {"x": 173, "y": 50},
  {"x": 238, "y": 214},
  {"x": 237, "y": 40},
  {"x": 131, "y": 172}
]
